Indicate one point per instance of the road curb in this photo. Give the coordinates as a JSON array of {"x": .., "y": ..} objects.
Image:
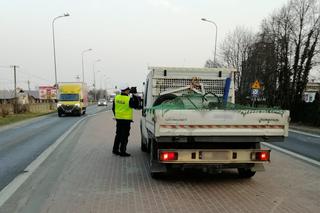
[
  {"x": 14, "y": 185},
  {"x": 304, "y": 133},
  {"x": 292, "y": 154}
]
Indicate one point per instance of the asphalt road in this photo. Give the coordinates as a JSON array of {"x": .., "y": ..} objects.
[
  {"x": 21, "y": 144},
  {"x": 305, "y": 145}
]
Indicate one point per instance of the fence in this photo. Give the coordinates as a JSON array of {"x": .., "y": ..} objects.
[
  {"x": 8, "y": 109},
  {"x": 41, "y": 107}
]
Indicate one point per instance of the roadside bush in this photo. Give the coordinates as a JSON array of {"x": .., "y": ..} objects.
[
  {"x": 4, "y": 112},
  {"x": 22, "y": 108}
]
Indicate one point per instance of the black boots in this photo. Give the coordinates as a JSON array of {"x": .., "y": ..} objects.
[
  {"x": 124, "y": 154},
  {"x": 116, "y": 152}
]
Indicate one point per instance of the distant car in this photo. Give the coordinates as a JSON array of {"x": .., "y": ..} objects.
[{"x": 102, "y": 102}]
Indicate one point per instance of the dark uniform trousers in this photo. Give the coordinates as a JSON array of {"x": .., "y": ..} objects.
[{"x": 122, "y": 135}]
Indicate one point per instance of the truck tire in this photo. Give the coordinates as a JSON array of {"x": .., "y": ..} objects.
[
  {"x": 246, "y": 173},
  {"x": 149, "y": 145},
  {"x": 154, "y": 173},
  {"x": 163, "y": 98},
  {"x": 143, "y": 144}
]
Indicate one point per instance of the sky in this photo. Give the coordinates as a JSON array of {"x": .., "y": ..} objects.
[{"x": 126, "y": 35}]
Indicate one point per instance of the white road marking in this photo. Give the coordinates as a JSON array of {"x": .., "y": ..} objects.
[
  {"x": 304, "y": 133},
  {"x": 13, "y": 186},
  {"x": 293, "y": 154}
]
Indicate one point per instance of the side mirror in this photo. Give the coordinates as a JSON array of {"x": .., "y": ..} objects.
[
  {"x": 81, "y": 100},
  {"x": 56, "y": 100}
]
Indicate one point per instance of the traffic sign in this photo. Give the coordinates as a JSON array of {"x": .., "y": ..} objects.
[
  {"x": 256, "y": 85},
  {"x": 255, "y": 92}
]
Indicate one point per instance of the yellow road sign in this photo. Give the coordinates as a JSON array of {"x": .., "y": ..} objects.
[{"x": 256, "y": 85}]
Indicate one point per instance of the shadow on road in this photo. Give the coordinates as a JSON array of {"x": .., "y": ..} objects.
[{"x": 197, "y": 175}]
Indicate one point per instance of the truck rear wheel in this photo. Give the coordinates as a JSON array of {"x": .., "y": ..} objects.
[
  {"x": 157, "y": 170},
  {"x": 246, "y": 173},
  {"x": 144, "y": 147}
]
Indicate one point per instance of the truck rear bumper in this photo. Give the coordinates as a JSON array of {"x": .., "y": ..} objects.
[
  {"x": 227, "y": 139},
  {"x": 213, "y": 156}
]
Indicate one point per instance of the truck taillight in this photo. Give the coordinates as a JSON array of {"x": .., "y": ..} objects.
[
  {"x": 166, "y": 156},
  {"x": 261, "y": 156}
]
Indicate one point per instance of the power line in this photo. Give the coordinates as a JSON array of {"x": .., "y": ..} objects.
[
  {"x": 5, "y": 79},
  {"x": 25, "y": 79},
  {"x": 35, "y": 76},
  {"x": 29, "y": 74},
  {"x": 7, "y": 68}
]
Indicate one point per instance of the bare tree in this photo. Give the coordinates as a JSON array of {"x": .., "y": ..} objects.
[
  {"x": 284, "y": 52},
  {"x": 211, "y": 64},
  {"x": 306, "y": 39},
  {"x": 235, "y": 49}
]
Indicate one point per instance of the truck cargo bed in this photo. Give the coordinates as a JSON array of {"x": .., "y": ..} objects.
[{"x": 257, "y": 123}]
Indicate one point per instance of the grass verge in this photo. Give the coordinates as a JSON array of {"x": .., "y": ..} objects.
[{"x": 9, "y": 119}]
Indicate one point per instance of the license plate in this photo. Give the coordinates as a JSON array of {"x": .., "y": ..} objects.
[{"x": 214, "y": 155}]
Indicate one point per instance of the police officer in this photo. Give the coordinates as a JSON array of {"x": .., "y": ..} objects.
[{"x": 122, "y": 108}]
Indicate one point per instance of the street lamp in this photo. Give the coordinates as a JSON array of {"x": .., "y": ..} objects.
[
  {"x": 54, "y": 45},
  {"x": 105, "y": 81},
  {"x": 84, "y": 51},
  {"x": 105, "y": 86},
  {"x": 215, "y": 43},
  {"x": 94, "y": 77}
]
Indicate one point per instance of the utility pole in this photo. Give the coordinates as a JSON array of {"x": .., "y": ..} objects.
[
  {"x": 215, "y": 43},
  {"x": 29, "y": 86},
  {"x": 94, "y": 84},
  {"x": 54, "y": 47},
  {"x": 15, "y": 78},
  {"x": 15, "y": 86},
  {"x": 94, "y": 79},
  {"x": 84, "y": 51}
]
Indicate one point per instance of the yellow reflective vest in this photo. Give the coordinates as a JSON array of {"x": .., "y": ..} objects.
[{"x": 121, "y": 107}]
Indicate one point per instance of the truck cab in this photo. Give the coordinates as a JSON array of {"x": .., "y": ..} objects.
[{"x": 72, "y": 98}]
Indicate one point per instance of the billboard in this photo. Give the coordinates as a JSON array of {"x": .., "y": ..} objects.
[{"x": 47, "y": 92}]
